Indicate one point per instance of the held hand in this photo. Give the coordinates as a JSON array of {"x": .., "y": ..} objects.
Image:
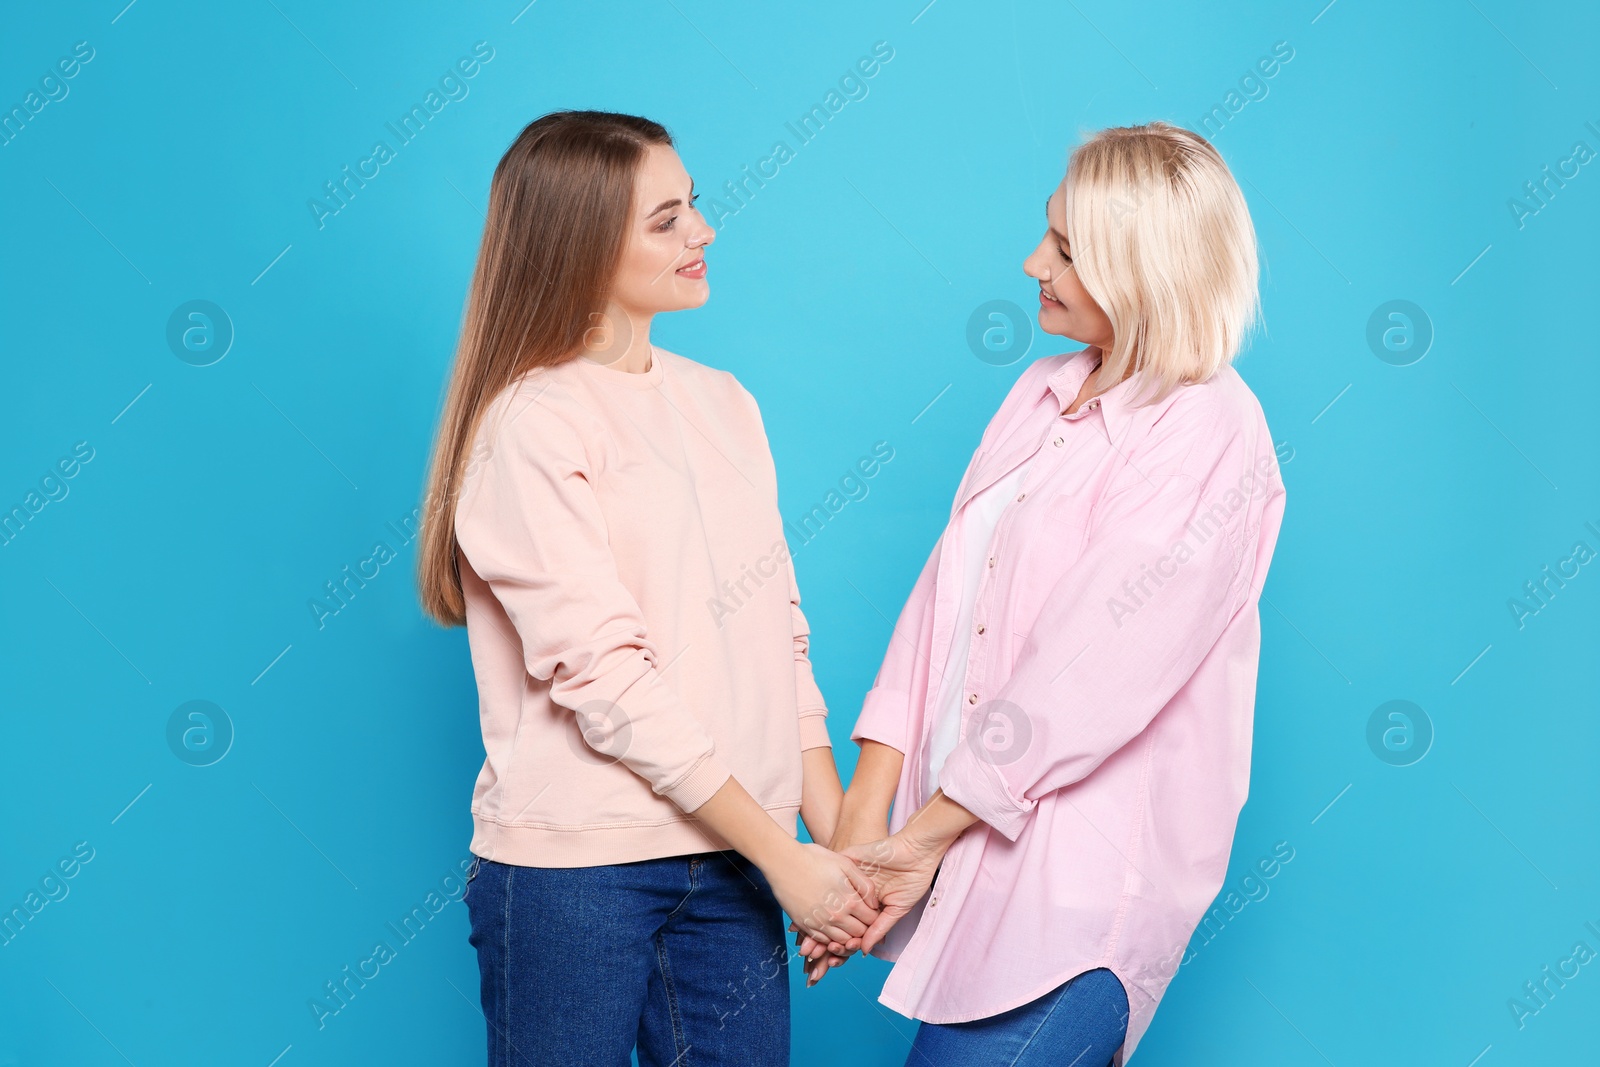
[
  {"x": 827, "y": 896},
  {"x": 901, "y": 868},
  {"x": 821, "y": 957}
]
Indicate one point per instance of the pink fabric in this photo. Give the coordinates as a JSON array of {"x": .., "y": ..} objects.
[
  {"x": 1110, "y": 692},
  {"x": 632, "y": 614}
]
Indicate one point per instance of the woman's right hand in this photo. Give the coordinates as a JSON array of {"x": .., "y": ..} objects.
[{"x": 827, "y": 895}]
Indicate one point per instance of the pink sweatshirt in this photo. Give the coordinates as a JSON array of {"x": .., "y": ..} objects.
[
  {"x": 1109, "y": 692},
  {"x": 632, "y": 614}
]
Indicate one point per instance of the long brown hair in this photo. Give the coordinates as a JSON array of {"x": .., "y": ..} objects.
[{"x": 559, "y": 205}]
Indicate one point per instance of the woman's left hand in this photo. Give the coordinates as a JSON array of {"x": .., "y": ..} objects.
[{"x": 901, "y": 867}]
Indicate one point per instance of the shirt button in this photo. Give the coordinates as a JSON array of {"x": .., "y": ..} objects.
[
  {"x": 933, "y": 900},
  {"x": 991, "y": 561},
  {"x": 1057, "y": 442},
  {"x": 980, "y": 627},
  {"x": 972, "y": 698},
  {"x": 1020, "y": 496}
]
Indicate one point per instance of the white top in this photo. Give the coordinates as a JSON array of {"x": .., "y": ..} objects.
[{"x": 974, "y": 528}]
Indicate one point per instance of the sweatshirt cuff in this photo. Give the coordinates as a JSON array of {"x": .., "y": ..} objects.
[
  {"x": 814, "y": 730},
  {"x": 976, "y": 784},
  {"x": 883, "y": 717},
  {"x": 697, "y": 787}
]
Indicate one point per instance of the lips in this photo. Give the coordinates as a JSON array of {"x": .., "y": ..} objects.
[
  {"x": 1046, "y": 300},
  {"x": 695, "y": 270}
]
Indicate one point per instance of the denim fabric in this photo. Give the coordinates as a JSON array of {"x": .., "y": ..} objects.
[
  {"x": 685, "y": 956},
  {"x": 1081, "y": 1022}
]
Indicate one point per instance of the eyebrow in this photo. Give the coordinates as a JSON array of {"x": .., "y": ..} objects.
[{"x": 674, "y": 202}]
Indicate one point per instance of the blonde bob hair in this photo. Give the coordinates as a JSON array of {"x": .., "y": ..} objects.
[{"x": 1162, "y": 240}]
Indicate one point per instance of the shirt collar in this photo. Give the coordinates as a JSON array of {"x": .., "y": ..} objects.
[{"x": 1067, "y": 379}]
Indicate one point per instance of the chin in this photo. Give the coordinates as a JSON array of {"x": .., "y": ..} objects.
[
  {"x": 679, "y": 302},
  {"x": 1053, "y": 325},
  {"x": 694, "y": 299}
]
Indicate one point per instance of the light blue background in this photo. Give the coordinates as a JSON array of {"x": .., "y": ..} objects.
[{"x": 180, "y": 565}]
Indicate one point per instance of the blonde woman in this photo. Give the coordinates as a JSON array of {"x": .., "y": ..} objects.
[
  {"x": 1062, "y": 721},
  {"x": 603, "y": 517}
]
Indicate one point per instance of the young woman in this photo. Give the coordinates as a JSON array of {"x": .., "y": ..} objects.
[
  {"x": 604, "y": 519},
  {"x": 1062, "y": 721}
]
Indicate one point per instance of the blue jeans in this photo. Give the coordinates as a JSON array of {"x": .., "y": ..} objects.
[
  {"x": 578, "y": 965},
  {"x": 1080, "y": 1023}
]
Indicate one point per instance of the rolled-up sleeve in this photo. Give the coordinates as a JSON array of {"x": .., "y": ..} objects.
[
  {"x": 1120, "y": 633},
  {"x": 531, "y": 526}
]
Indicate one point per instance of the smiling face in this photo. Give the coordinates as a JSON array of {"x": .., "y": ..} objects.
[
  {"x": 1065, "y": 306},
  {"x": 663, "y": 267}
]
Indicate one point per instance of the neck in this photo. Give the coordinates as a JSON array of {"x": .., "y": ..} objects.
[
  {"x": 1100, "y": 378},
  {"x": 622, "y": 341}
]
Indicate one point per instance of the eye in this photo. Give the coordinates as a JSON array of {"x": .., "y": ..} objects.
[
  {"x": 667, "y": 224},
  {"x": 1064, "y": 257}
]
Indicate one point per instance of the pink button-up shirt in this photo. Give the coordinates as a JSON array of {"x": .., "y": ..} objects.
[{"x": 1109, "y": 693}]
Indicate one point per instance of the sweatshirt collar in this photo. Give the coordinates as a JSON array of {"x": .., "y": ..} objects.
[{"x": 628, "y": 379}]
